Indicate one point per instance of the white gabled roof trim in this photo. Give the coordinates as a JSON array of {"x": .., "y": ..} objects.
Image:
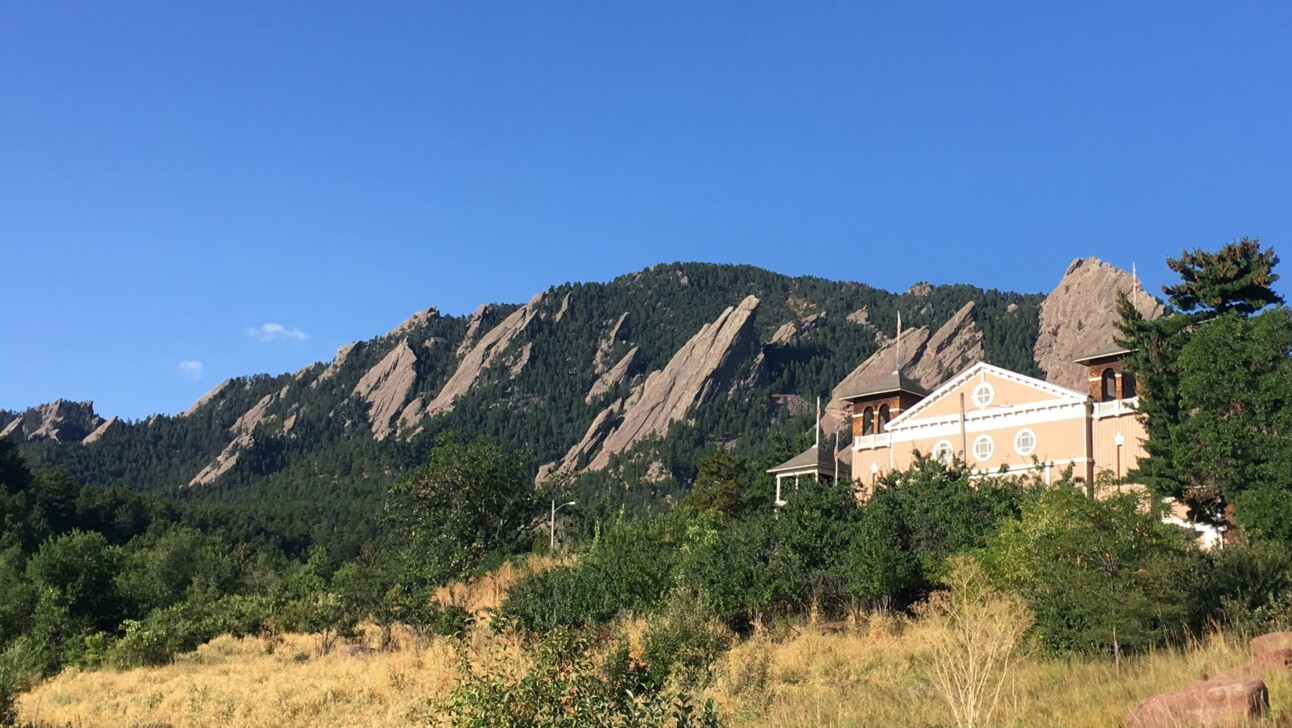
[{"x": 1069, "y": 396}]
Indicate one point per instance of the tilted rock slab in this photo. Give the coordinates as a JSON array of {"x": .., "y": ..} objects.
[
  {"x": 691, "y": 376},
  {"x": 612, "y": 377},
  {"x": 480, "y": 356},
  {"x": 206, "y": 398},
  {"x": 1229, "y": 700},
  {"x": 100, "y": 431},
  {"x": 926, "y": 359},
  {"x": 386, "y": 388},
  {"x": 1079, "y": 318},
  {"x": 606, "y": 346},
  {"x": 242, "y": 439}
]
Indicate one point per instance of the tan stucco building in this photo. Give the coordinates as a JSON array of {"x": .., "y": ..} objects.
[{"x": 1000, "y": 422}]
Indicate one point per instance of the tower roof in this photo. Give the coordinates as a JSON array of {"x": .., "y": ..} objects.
[{"x": 887, "y": 384}]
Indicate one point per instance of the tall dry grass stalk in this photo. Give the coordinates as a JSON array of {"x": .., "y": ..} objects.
[{"x": 972, "y": 634}]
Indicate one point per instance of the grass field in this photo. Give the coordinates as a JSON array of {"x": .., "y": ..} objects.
[{"x": 871, "y": 676}]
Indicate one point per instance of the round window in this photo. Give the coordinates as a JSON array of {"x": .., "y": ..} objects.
[
  {"x": 942, "y": 451},
  {"x": 983, "y": 394},
  {"x": 1025, "y": 442},
  {"x": 983, "y": 447}
]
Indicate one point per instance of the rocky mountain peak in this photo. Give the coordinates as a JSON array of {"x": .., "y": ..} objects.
[
  {"x": 60, "y": 421},
  {"x": 1079, "y": 318}
]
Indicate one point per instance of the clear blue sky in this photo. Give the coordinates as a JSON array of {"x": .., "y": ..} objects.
[{"x": 175, "y": 176}]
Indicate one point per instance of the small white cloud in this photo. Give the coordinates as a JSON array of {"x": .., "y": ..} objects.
[
  {"x": 191, "y": 368},
  {"x": 275, "y": 332}
]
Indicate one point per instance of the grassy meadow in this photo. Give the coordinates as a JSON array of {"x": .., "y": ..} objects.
[{"x": 872, "y": 674}]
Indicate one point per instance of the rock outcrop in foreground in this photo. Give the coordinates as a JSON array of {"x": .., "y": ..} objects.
[
  {"x": 1079, "y": 318},
  {"x": 700, "y": 368}
]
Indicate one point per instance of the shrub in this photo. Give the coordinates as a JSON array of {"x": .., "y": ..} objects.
[
  {"x": 972, "y": 633},
  {"x": 1100, "y": 575},
  {"x": 684, "y": 641},
  {"x": 564, "y": 689}
]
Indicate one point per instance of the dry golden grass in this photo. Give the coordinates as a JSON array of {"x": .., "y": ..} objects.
[
  {"x": 871, "y": 676},
  {"x": 483, "y": 596},
  {"x": 874, "y": 677},
  {"x": 258, "y": 682}
]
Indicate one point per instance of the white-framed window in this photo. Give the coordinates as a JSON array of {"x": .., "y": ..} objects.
[
  {"x": 983, "y": 447},
  {"x": 942, "y": 451},
  {"x": 983, "y": 394},
  {"x": 1025, "y": 442}
]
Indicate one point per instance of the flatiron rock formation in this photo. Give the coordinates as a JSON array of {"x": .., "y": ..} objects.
[
  {"x": 60, "y": 421},
  {"x": 386, "y": 388},
  {"x": 478, "y": 358},
  {"x": 697, "y": 370},
  {"x": 612, "y": 377},
  {"x": 927, "y": 359},
  {"x": 1079, "y": 318}
]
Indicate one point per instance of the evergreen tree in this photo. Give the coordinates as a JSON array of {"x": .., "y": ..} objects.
[{"x": 1214, "y": 383}]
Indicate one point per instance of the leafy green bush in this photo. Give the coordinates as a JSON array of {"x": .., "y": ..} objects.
[
  {"x": 631, "y": 568},
  {"x": 684, "y": 641},
  {"x": 564, "y": 688},
  {"x": 1100, "y": 575}
]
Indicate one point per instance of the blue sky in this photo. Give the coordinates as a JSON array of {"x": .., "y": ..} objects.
[{"x": 191, "y": 191}]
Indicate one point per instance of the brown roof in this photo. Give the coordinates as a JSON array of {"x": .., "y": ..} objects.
[
  {"x": 1105, "y": 353},
  {"x": 818, "y": 459},
  {"x": 891, "y": 382}
]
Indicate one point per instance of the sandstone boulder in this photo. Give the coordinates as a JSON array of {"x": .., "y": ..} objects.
[
  {"x": 1271, "y": 642},
  {"x": 1224, "y": 701}
]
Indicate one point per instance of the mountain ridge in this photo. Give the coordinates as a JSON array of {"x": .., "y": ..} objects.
[{"x": 559, "y": 377}]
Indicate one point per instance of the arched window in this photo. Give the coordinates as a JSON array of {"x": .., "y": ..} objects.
[
  {"x": 868, "y": 421},
  {"x": 883, "y": 417},
  {"x": 1109, "y": 388},
  {"x": 1128, "y": 385}
]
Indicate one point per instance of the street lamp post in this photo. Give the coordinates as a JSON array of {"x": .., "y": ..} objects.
[
  {"x": 1119, "y": 440},
  {"x": 552, "y": 525}
]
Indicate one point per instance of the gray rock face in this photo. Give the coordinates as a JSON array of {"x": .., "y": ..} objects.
[
  {"x": 612, "y": 376},
  {"x": 606, "y": 347},
  {"x": 1079, "y": 318},
  {"x": 697, "y": 370},
  {"x": 478, "y": 358},
  {"x": 60, "y": 421},
  {"x": 386, "y": 388},
  {"x": 206, "y": 398},
  {"x": 927, "y": 359}
]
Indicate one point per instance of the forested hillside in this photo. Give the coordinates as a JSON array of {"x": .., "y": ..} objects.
[{"x": 312, "y": 449}]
